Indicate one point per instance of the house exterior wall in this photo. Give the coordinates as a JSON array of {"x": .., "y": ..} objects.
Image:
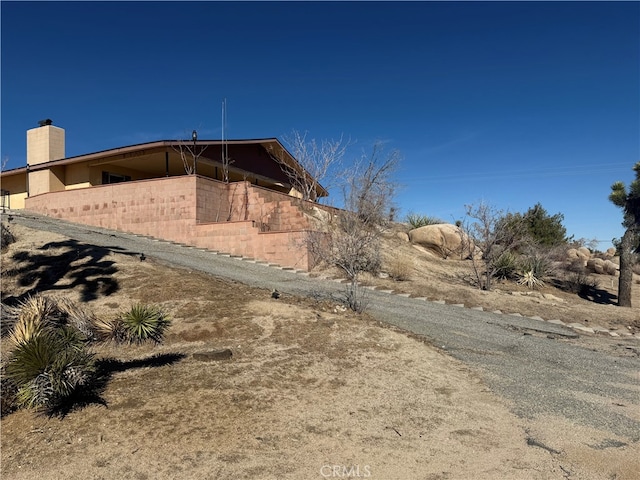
[
  {"x": 183, "y": 209},
  {"x": 77, "y": 176},
  {"x": 16, "y": 185},
  {"x": 56, "y": 179}
]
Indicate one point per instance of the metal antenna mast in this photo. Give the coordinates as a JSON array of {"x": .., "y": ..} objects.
[{"x": 225, "y": 147}]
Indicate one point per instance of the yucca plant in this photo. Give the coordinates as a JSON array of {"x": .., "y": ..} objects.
[
  {"x": 109, "y": 330},
  {"x": 49, "y": 367},
  {"x": 143, "y": 323},
  {"x": 529, "y": 279},
  {"x": 82, "y": 320},
  {"x": 540, "y": 265},
  {"x": 50, "y": 360},
  {"x": 416, "y": 220},
  {"x": 506, "y": 265},
  {"x": 29, "y": 317}
]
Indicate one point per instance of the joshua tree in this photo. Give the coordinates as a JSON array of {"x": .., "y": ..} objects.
[{"x": 629, "y": 201}]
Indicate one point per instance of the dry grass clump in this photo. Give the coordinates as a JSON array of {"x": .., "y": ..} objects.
[{"x": 400, "y": 268}]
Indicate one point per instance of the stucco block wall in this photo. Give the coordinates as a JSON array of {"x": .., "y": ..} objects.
[
  {"x": 174, "y": 209},
  {"x": 159, "y": 208}
]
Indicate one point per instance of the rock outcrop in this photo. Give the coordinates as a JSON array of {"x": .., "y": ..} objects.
[
  {"x": 603, "y": 266},
  {"x": 444, "y": 239}
]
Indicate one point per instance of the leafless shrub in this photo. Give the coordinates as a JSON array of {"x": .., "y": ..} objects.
[{"x": 353, "y": 236}]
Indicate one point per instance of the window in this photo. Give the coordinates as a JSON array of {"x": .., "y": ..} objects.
[{"x": 108, "y": 177}]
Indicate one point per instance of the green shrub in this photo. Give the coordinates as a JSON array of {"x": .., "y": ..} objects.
[
  {"x": 417, "y": 221},
  {"x": 544, "y": 229}
]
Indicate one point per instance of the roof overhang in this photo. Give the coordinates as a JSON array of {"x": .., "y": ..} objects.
[{"x": 270, "y": 145}]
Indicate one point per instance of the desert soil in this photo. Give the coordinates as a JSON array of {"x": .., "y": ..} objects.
[{"x": 311, "y": 390}]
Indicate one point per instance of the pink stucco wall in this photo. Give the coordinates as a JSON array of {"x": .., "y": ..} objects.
[{"x": 237, "y": 218}]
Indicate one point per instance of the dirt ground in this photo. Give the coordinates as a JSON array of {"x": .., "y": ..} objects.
[{"x": 311, "y": 390}]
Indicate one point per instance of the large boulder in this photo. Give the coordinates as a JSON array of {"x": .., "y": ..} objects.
[
  {"x": 402, "y": 236},
  {"x": 596, "y": 265},
  {"x": 610, "y": 268},
  {"x": 602, "y": 266},
  {"x": 582, "y": 254},
  {"x": 444, "y": 239}
]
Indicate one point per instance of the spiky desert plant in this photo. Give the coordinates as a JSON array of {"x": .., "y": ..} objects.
[
  {"x": 33, "y": 315},
  {"x": 109, "y": 330},
  {"x": 75, "y": 315},
  {"x": 416, "y": 220},
  {"x": 144, "y": 322},
  {"x": 506, "y": 265},
  {"x": 529, "y": 279},
  {"x": 28, "y": 317},
  {"x": 49, "y": 367}
]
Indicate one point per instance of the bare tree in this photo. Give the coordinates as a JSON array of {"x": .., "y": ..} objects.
[
  {"x": 189, "y": 153},
  {"x": 353, "y": 238},
  {"x": 318, "y": 164},
  {"x": 491, "y": 237}
]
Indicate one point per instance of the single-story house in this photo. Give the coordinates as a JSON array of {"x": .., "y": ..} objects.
[{"x": 232, "y": 196}]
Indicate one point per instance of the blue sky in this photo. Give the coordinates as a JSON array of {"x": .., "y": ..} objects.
[{"x": 512, "y": 103}]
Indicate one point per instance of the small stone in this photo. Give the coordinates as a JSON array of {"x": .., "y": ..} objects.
[
  {"x": 557, "y": 322},
  {"x": 582, "y": 328},
  {"x": 213, "y": 355}
]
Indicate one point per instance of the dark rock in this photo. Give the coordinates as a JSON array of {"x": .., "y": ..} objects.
[{"x": 213, "y": 355}]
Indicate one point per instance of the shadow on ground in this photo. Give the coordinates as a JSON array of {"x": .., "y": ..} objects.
[
  {"x": 82, "y": 266},
  {"x": 105, "y": 368},
  {"x": 587, "y": 292}
]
